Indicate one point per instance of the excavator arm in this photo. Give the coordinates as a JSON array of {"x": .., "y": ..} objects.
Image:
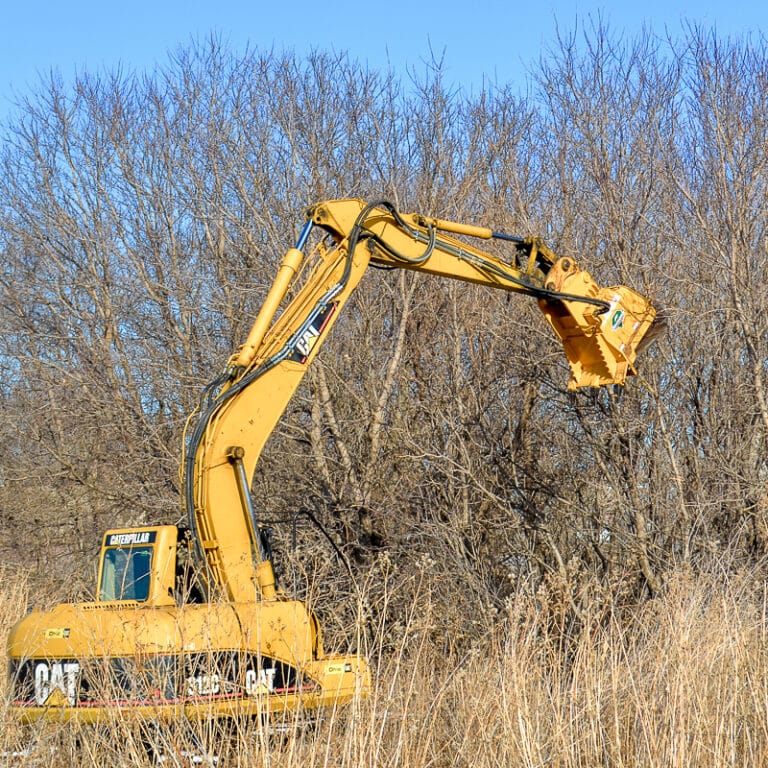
[{"x": 601, "y": 330}]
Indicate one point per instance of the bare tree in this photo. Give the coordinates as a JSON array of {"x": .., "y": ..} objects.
[{"x": 142, "y": 220}]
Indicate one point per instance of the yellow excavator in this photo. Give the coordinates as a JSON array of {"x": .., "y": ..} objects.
[{"x": 188, "y": 622}]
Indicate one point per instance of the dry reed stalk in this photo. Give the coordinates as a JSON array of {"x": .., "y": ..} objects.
[{"x": 681, "y": 681}]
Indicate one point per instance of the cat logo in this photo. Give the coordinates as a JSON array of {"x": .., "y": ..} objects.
[
  {"x": 260, "y": 681},
  {"x": 311, "y": 333},
  {"x": 56, "y": 684}
]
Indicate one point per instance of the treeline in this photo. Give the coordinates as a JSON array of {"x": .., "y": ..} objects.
[{"x": 141, "y": 222}]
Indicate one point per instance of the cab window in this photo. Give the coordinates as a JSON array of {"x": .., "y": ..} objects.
[{"x": 125, "y": 574}]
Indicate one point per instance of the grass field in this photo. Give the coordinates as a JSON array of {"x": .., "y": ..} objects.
[{"x": 680, "y": 681}]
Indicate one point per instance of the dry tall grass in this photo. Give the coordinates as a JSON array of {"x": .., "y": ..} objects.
[{"x": 680, "y": 681}]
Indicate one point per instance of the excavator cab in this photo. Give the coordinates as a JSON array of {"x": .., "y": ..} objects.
[{"x": 138, "y": 565}]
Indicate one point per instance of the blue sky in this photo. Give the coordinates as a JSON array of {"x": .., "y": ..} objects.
[{"x": 495, "y": 40}]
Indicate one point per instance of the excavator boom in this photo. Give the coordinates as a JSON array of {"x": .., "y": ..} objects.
[{"x": 600, "y": 328}]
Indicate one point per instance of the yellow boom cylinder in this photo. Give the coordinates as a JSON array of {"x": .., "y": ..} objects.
[{"x": 288, "y": 269}]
